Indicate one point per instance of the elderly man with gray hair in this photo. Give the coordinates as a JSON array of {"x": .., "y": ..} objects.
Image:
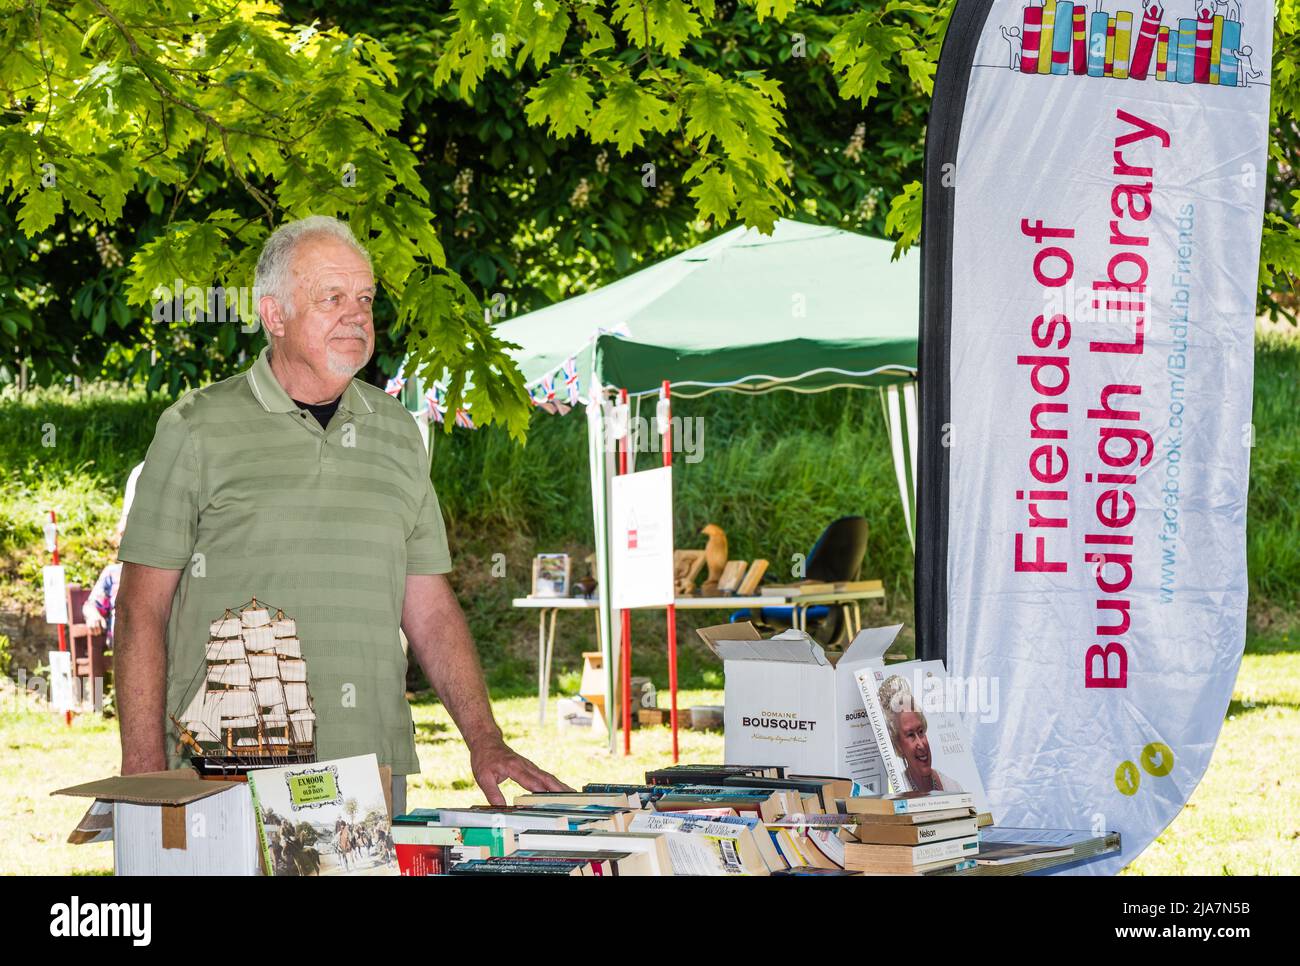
[{"x": 299, "y": 485}]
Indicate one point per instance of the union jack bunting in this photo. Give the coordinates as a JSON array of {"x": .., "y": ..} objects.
[
  {"x": 434, "y": 401},
  {"x": 571, "y": 379}
]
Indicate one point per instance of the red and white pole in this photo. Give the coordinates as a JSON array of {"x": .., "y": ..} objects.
[
  {"x": 54, "y": 548},
  {"x": 664, "y": 417}
]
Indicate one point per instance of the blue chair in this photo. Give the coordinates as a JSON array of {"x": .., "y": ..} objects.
[{"x": 836, "y": 556}]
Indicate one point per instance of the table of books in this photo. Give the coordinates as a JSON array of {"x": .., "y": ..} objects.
[{"x": 732, "y": 820}]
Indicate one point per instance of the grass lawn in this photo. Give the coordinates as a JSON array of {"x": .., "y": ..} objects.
[{"x": 1243, "y": 819}]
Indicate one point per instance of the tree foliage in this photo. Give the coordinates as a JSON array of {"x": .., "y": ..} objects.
[
  {"x": 182, "y": 103},
  {"x": 493, "y": 154}
]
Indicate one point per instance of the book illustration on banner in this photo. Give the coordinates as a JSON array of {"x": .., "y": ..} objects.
[
  {"x": 324, "y": 818},
  {"x": 250, "y": 705},
  {"x": 922, "y": 739},
  {"x": 1060, "y": 38}
]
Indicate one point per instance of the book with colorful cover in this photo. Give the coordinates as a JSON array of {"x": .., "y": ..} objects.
[
  {"x": 917, "y": 722},
  {"x": 420, "y": 825},
  {"x": 323, "y": 818},
  {"x": 420, "y": 860}
]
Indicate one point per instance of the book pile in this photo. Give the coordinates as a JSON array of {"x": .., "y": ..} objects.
[
  {"x": 912, "y": 833},
  {"x": 695, "y": 820}
]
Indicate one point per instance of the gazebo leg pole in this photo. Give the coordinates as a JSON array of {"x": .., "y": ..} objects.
[
  {"x": 664, "y": 417},
  {"x": 626, "y": 614}
]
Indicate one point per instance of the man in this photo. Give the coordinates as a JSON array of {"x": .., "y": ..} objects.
[{"x": 310, "y": 490}]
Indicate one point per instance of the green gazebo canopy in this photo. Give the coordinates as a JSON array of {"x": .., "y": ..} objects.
[{"x": 806, "y": 308}]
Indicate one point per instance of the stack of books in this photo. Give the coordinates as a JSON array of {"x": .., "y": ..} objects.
[
  {"x": 696, "y": 820},
  {"x": 912, "y": 833}
]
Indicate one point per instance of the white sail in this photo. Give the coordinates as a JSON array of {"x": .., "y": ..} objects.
[
  {"x": 236, "y": 675},
  {"x": 203, "y": 717},
  {"x": 194, "y": 710},
  {"x": 231, "y": 650},
  {"x": 264, "y": 665},
  {"x": 284, "y": 627},
  {"x": 258, "y": 638},
  {"x": 295, "y": 695},
  {"x": 235, "y": 703},
  {"x": 227, "y": 627},
  {"x": 293, "y": 670},
  {"x": 255, "y": 617},
  {"x": 288, "y": 647},
  {"x": 270, "y": 692}
]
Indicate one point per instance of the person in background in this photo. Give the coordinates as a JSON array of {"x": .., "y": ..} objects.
[{"x": 99, "y": 608}]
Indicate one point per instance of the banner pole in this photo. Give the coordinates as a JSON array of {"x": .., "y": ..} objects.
[{"x": 664, "y": 415}]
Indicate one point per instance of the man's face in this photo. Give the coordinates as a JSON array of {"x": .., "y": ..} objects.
[{"x": 330, "y": 327}]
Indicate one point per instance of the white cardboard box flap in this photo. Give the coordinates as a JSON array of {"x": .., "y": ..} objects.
[
  {"x": 802, "y": 650},
  {"x": 870, "y": 644}
]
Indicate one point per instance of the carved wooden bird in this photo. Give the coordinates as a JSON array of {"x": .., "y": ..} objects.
[
  {"x": 715, "y": 556},
  {"x": 586, "y": 586}
]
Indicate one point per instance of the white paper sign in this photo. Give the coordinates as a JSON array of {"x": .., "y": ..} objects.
[
  {"x": 641, "y": 538},
  {"x": 56, "y": 595},
  {"x": 61, "y": 681}
]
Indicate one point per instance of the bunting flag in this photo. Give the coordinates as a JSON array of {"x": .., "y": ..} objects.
[
  {"x": 435, "y": 402},
  {"x": 571, "y": 380},
  {"x": 1086, "y": 366},
  {"x": 395, "y": 385}
]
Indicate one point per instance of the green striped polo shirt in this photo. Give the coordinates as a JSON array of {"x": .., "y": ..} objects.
[{"x": 246, "y": 495}]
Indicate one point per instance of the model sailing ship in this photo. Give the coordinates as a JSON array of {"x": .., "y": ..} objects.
[{"x": 252, "y": 708}]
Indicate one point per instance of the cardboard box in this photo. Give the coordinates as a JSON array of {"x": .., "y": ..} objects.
[
  {"x": 176, "y": 823},
  {"x": 789, "y": 703},
  {"x": 171, "y": 823}
]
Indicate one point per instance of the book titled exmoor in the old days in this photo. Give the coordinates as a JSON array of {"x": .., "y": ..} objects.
[{"x": 324, "y": 818}]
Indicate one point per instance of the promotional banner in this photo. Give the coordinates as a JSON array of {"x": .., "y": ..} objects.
[{"x": 1094, "y": 193}]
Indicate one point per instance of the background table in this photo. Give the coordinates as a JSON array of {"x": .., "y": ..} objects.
[{"x": 849, "y": 601}]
